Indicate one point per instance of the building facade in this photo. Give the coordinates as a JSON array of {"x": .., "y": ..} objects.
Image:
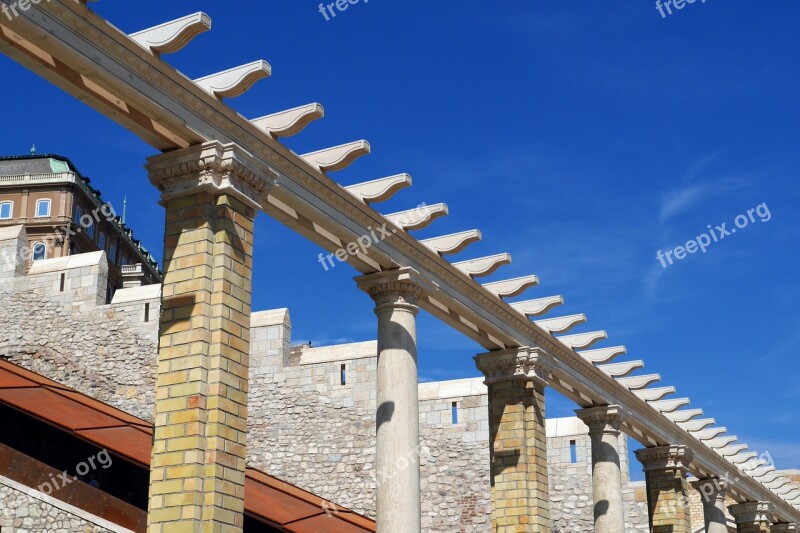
[{"x": 64, "y": 215}]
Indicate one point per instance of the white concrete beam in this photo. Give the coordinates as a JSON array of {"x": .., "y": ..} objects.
[
  {"x": 603, "y": 355},
  {"x": 697, "y": 425},
  {"x": 511, "y": 288},
  {"x": 561, "y": 324},
  {"x": 619, "y": 370},
  {"x": 684, "y": 416},
  {"x": 483, "y": 266},
  {"x": 634, "y": 383},
  {"x": 453, "y": 243},
  {"x": 418, "y": 218},
  {"x": 539, "y": 306},
  {"x": 708, "y": 434},
  {"x": 338, "y": 157},
  {"x": 669, "y": 406},
  {"x": 172, "y": 36},
  {"x": 582, "y": 340},
  {"x": 235, "y": 81},
  {"x": 651, "y": 395},
  {"x": 289, "y": 122},
  {"x": 379, "y": 190}
]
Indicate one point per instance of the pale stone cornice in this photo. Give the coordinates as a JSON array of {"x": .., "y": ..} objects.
[
  {"x": 752, "y": 512},
  {"x": 602, "y": 419},
  {"x": 665, "y": 458},
  {"x": 530, "y": 364},
  {"x": 214, "y": 167}
]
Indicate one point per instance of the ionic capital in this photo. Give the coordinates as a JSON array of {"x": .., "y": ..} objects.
[
  {"x": 665, "y": 458},
  {"x": 530, "y": 364},
  {"x": 213, "y": 167},
  {"x": 605, "y": 419},
  {"x": 752, "y": 512},
  {"x": 400, "y": 288}
]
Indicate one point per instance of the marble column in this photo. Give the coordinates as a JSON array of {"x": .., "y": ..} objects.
[
  {"x": 667, "y": 488},
  {"x": 712, "y": 494},
  {"x": 752, "y": 517},
  {"x": 397, "y": 449},
  {"x": 518, "y": 438},
  {"x": 609, "y": 512}
]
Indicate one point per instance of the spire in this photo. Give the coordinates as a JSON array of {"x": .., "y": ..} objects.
[
  {"x": 124, "y": 208},
  {"x": 33, "y": 149}
]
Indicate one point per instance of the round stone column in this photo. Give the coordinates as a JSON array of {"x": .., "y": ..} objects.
[
  {"x": 609, "y": 512},
  {"x": 397, "y": 417},
  {"x": 712, "y": 494}
]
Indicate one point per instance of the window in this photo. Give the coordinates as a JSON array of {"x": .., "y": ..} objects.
[
  {"x": 112, "y": 253},
  {"x": 573, "y": 452},
  {"x": 102, "y": 241},
  {"x": 455, "y": 413},
  {"x": 343, "y": 374},
  {"x": 42, "y": 208},
  {"x": 124, "y": 261},
  {"x": 147, "y": 312},
  {"x": 6, "y": 210},
  {"x": 78, "y": 214},
  {"x": 39, "y": 251},
  {"x": 90, "y": 229}
]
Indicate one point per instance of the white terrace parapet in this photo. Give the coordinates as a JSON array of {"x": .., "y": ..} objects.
[
  {"x": 274, "y": 317},
  {"x": 340, "y": 352},
  {"x": 137, "y": 294},
  {"x": 566, "y": 427},
  {"x": 457, "y": 388},
  {"x": 78, "y": 279}
]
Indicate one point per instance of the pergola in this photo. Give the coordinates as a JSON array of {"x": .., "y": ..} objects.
[{"x": 217, "y": 169}]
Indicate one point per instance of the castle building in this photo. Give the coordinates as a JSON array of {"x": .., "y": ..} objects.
[{"x": 64, "y": 215}]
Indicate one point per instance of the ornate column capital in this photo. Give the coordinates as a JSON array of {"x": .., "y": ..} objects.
[
  {"x": 214, "y": 167},
  {"x": 752, "y": 512},
  {"x": 602, "y": 419},
  {"x": 395, "y": 288},
  {"x": 665, "y": 457},
  {"x": 530, "y": 364},
  {"x": 712, "y": 489}
]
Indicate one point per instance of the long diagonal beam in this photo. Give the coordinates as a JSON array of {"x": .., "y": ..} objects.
[{"x": 70, "y": 46}]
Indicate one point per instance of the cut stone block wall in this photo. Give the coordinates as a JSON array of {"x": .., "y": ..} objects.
[{"x": 24, "y": 510}]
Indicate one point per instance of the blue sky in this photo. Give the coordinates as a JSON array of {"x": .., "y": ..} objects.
[{"x": 581, "y": 137}]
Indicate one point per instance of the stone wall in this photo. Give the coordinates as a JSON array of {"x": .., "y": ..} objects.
[{"x": 24, "y": 510}]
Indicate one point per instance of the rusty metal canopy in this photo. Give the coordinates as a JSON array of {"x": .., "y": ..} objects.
[{"x": 267, "y": 499}]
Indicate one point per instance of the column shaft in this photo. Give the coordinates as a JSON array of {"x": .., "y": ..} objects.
[
  {"x": 518, "y": 439},
  {"x": 397, "y": 417},
  {"x": 712, "y": 494},
  {"x": 609, "y": 512}
]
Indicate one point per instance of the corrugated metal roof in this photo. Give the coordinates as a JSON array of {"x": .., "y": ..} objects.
[{"x": 267, "y": 498}]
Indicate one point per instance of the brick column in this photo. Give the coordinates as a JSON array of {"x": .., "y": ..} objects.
[
  {"x": 667, "y": 488},
  {"x": 609, "y": 512},
  {"x": 198, "y": 461},
  {"x": 712, "y": 494},
  {"x": 752, "y": 517},
  {"x": 518, "y": 439},
  {"x": 397, "y": 417}
]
